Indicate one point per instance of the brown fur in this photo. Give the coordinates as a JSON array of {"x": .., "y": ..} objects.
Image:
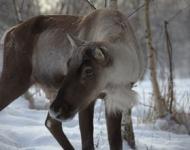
[
  {"x": 16, "y": 75},
  {"x": 39, "y": 52}
]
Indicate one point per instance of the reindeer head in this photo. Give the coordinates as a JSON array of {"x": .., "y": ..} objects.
[{"x": 82, "y": 83}]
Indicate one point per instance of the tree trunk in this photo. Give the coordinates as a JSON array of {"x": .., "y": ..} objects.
[{"x": 160, "y": 105}]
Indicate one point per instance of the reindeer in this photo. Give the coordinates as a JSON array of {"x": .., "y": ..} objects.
[{"x": 76, "y": 60}]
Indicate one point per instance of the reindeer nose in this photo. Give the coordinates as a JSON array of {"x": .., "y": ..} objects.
[{"x": 63, "y": 112}]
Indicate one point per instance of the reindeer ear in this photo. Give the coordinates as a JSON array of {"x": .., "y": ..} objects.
[
  {"x": 74, "y": 41},
  {"x": 102, "y": 56},
  {"x": 98, "y": 54}
]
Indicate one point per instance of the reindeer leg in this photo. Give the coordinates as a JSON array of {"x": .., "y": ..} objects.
[
  {"x": 17, "y": 69},
  {"x": 9, "y": 91},
  {"x": 55, "y": 127},
  {"x": 14, "y": 81},
  {"x": 114, "y": 130},
  {"x": 86, "y": 127}
]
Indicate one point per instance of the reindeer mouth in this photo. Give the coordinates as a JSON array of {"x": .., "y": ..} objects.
[{"x": 62, "y": 116}]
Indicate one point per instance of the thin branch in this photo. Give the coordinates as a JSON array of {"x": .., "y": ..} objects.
[
  {"x": 147, "y": 105},
  {"x": 91, "y": 5},
  {"x": 177, "y": 14},
  {"x": 21, "y": 6},
  {"x": 170, "y": 57},
  {"x": 17, "y": 11},
  {"x": 136, "y": 10}
]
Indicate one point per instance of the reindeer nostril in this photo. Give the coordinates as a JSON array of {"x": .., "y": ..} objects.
[
  {"x": 61, "y": 112},
  {"x": 88, "y": 73}
]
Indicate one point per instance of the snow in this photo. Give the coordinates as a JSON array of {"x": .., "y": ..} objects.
[
  {"x": 22, "y": 128},
  {"x": 170, "y": 125}
]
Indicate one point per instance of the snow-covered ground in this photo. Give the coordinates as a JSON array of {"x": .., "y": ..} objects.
[{"x": 23, "y": 129}]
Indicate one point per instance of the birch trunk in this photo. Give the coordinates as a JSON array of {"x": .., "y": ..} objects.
[{"x": 160, "y": 105}]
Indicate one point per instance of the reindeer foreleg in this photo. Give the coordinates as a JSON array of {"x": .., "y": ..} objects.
[
  {"x": 114, "y": 130},
  {"x": 55, "y": 127},
  {"x": 86, "y": 127}
]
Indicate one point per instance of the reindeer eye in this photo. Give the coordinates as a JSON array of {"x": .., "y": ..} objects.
[{"x": 87, "y": 73}]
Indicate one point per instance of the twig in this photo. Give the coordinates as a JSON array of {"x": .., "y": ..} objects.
[
  {"x": 170, "y": 57},
  {"x": 91, "y": 5},
  {"x": 136, "y": 10},
  {"x": 21, "y": 6},
  {"x": 177, "y": 14},
  {"x": 146, "y": 105},
  {"x": 17, "y": 11}
]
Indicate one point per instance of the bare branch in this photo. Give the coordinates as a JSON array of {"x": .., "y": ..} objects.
[
  {"x": 17, "y": 11},
  {"x": 21, "y": 6},
  {"x": 136, "y": 10},
  {"x": 177, "y": 14},
  {"x": 91, "y": 5}
]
